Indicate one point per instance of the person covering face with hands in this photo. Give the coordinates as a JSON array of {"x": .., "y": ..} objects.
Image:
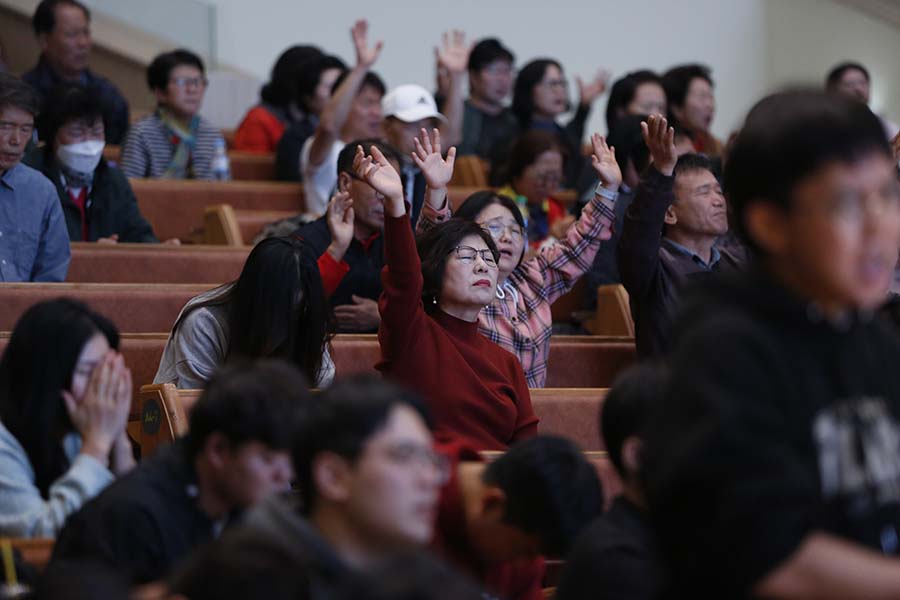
[{"x": 433, "y": 292}]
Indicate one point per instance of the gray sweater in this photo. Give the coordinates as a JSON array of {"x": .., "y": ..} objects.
[
  {"x": 199, "y": 344},
  {"x": 23, "y": 511}
]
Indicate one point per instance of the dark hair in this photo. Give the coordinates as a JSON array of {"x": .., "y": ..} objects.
[
  {"x": 789, "y": 136},
  {"x": 622, "y": 93},
  {"x": 552, "y": 491},
  {"x": 281, "y": 89},
  {"x": 250, "y": 401},
  {"x": 411, "y": 576},
  {"x": 243, "y": 564},
  {"x": 523, "y": 90},
  {"x": 64, "y": 104},
  {"x": 370, "y": 79},
  {"x": 487, "y": 51},
  {"x": 527, "y": 148},
  {"x": 694, "y": 162},
  {"x": 160, "y": 69},
  {"x": 37, "y": 364},
  {"x": 837, "y": 73},
  {"x": 677, "y": 82},
  {"x": 309, "y": 74},
  {"x": 477, "y": 202},
  {"x": 625, "y": 136},
  {"x": 434, "y": 248},
  {"x": 345, "y": 157},
  {"x": 44, "y": 18},
  {"x": 342, "y": 420},
  {"x": 277, "y": 306},
  {"x": 627, "y": 408},
  {"x": 16, "y": 93}
]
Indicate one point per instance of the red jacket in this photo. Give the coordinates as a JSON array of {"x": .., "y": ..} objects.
[{"x": 259, "y": 132}]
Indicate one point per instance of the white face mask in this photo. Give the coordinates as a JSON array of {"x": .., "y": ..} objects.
[{"x": 82, "y": 157}]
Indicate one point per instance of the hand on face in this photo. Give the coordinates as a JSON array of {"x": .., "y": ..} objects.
[
  {"x": 604, "y": 162},
  {"x": 660, "y": 140},
  {"x": 100, "y": 415},
  {"x": 437, "y": 171},
  {"x": 375, "y": 170}
]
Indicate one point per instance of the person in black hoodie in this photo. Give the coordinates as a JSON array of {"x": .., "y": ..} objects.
[
  {"x": 773, "y": 467},
  {"x": 235, "y": 455},
  {"x": 96, "y": 198}
]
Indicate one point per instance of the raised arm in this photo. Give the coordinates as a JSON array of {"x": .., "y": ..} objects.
[
  {"x": 638, "y": 252},
  {"x": 453, "y": 59},
  {"x": 334, "y": 115},
  {"x": 556, "y": 268},
  {"x": 437, "y": 171},
  {"x": 587, "y": 94},
  {"x": 340, "y": 218}
]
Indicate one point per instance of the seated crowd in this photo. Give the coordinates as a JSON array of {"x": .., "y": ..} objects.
[{"x": 753, "y": 451}]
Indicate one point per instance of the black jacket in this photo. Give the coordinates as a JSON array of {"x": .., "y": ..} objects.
[
  {"x": 112, "y": 205},
  {"x": 778, "y": 423},
  {"x": 364, "y": 278},
  {"x": 143, "y": 524},
  {"x": 652, "y": 270}
]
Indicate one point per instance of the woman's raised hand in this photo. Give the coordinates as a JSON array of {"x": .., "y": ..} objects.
[
  {"x": 603, "y": 159},
  {"x": 437, "y": 170}
]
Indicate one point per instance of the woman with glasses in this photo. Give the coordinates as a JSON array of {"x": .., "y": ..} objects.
[
  {"x": 519, "y": 316},
  {"x": 541, "y": 95},
  {"x": 434, "y": 290},
  {"x": 174, "y": 142}
]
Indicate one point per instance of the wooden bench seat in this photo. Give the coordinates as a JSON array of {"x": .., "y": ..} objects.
[
  {"x": 245, "y": 166},
  {"x": 154, "y": 263},
  {"x": 133, "y": 307},
  {"x": 175, "y": 208}
]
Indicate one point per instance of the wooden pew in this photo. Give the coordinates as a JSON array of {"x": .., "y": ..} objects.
[
  {"x": 224, "y": 225},
  {"x": 175, "y": 208},
  {"x": 133, "y": 307},
  {"x": 245, "y": 166},
  {"x": 34, "y": 551},
  {"x": 154, "y": 263},
  {"x": 575, "y": 360},
  {"x": 568, "y": 412}
]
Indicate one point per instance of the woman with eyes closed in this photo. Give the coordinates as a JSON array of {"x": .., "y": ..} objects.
[
  {"x": 519, "y": 318},
  {"x": 434, "y": 290}
]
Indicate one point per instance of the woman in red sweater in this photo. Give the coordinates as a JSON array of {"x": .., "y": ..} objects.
[{"x": 429, "y": 316}]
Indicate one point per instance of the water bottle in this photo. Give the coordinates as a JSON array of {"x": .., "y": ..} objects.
[{"x": 221, "y": 168}]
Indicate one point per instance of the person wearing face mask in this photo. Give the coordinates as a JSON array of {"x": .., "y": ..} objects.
[
  {"x": 97, "y": 200},
  {"x": 519, "y": 318}
]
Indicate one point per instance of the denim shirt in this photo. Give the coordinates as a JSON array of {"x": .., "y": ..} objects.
[{"x": 34, "y": 243}]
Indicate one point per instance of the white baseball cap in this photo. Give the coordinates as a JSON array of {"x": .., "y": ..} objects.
[{"x": 410, "y": 103}]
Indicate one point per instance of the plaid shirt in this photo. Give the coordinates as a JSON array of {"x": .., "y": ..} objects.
[{"x": 519, "y": 318}]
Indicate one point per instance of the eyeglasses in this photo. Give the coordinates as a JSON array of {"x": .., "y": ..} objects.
[
  {"x": 467, "y": 255},
  {"x": 186, "y": 82},
  {"x": 853, "y": 208},
  {"x": 551, "y": 179},
  {"x": 407, "y": 455},
  {"x": 497, "y": 229},
  {"x": 560, "y": 84},
  {"x": 498, "y": 70}
]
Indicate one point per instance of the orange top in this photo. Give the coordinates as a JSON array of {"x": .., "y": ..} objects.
[{"x": 258, "y": 132}]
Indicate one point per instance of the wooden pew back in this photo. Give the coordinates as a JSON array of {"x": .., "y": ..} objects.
[
  {"x": 155, "y": 263},
  {"x": 175, "y": 208},
  {"x": 133, "y": 307}
]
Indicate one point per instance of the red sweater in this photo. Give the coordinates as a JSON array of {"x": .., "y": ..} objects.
[
  {"x": 475, "y": 389},
  {"x": 259, "y": 132},
  {"x": 510, "y": 580}
]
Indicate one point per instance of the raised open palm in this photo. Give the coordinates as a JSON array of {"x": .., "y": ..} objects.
[
  {"x": 604, "y": 162},
  {"x": 438, "y": 171},
  {"x": 375, "y": 170},
  {"x": 365, "y": 55}
]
